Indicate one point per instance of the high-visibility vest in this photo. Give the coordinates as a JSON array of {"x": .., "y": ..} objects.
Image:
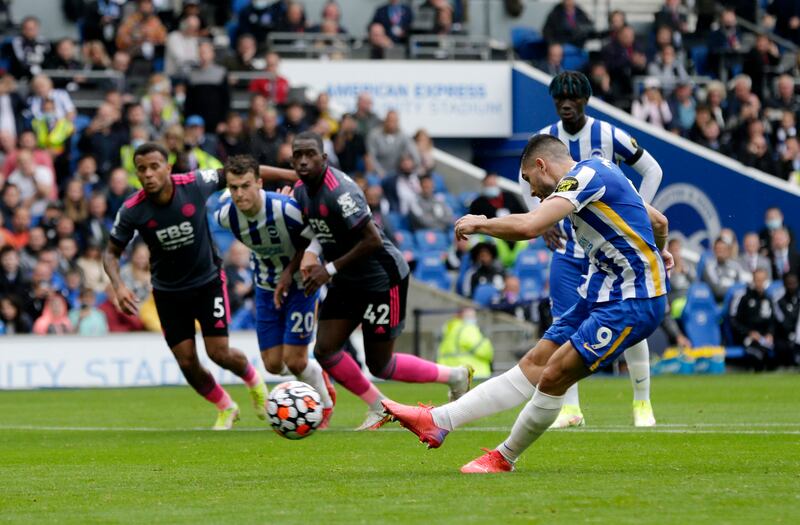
[
  {"x": 126, "y": 159},
  {"x": 52, "y": 139},
  {"x": 464, "y": 344}
]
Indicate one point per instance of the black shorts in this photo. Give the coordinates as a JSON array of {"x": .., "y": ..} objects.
[
  {"x": 208, "y": 304},
  {"x": 382, "y": 314}
]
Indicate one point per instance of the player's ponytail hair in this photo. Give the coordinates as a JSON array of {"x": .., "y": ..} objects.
[
  {"x": 570, "y": 84},
  {"x": 241, "y": 164}
]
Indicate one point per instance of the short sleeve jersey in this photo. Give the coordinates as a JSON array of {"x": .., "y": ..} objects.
[
  {"x": 336, "y": 213},
  {"x": 273, "y": 235},
  {"x": 182, "y": 252},
  {"x": 613, "y": 229}
]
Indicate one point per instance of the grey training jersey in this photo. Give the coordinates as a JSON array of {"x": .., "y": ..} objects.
[
  {"x": 336, "y": 212},
  {"x": 182, "y": 253}
]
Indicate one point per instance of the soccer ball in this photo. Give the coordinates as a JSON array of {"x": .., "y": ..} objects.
[{"x": 294, "y": 409}]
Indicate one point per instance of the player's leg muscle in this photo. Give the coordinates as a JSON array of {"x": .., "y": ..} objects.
[
  {"x": 296, "y": 358},
  {"x": 564, "y": 368},
  {"x": 228, "y": 358},
  {"x": 273, "y": 359},
  {"x": 378, "y": 355}
]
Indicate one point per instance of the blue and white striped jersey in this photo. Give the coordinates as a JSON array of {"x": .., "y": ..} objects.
[
  {"x": 613, "y": 228},
  {"x": 596, "y": 139},
  {"x": 273, "y": 235}
]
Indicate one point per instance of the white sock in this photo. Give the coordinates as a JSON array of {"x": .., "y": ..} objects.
[
  {"x": 638, "y": 359},
  {"x": 495, "y": 395},
  {"x": 571, "y": 397},
  {"x": 532, "y": 422},
  {"x": 285, "y": 371},
  {"x": 313, "y": 376}
]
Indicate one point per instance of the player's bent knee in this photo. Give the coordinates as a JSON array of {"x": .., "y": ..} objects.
[
  {"x": 296, "y": 363},
  {"x": 553, "y": 381}
]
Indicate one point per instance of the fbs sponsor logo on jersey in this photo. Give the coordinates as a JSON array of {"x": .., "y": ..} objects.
[
  {"x": 347, "y": 204},
  {"x": 174, "y": 237},
  {"x": 567, "y": 184}
]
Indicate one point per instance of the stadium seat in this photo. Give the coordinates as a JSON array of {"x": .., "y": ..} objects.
[
  {"x": 485, "y": 294},
  {"x": 238, "y": 5},
  {"x": 455, "y": 204},
  {"x": 431, "y": 240},
  {"x": 431, "y": 270},
  {"x": 700, "y": 316},
  {"x": 531, "y": 267},
  {"x": 575, "y": 58},
  {"x": 404, "y": 240},
  {"x": 699, "y": 56},
  {"x": 398, "y": 221},
  {"x": 439, "y": 185},
  {"x": 528, "y": 43}
]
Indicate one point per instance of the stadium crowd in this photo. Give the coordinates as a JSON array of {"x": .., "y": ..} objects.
[{"x": 64, "y": 173}]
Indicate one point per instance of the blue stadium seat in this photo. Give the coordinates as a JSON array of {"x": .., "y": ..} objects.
[
  {"x": 439, "y": 185},
  {"x": 455, "y": 204},
  {"x": 700, "y": 316},
  {"x": 528, "y": 43},
  {"x": 699, "y": 55},
  {"x": 467, "y": 197},
  {"x": 405, "y": 240},
  {"x": 531, "y": 267},
  {"x": 485, "y": 294},
  {"x": 775, "y": 289},
  {"x": 431, "y": 270},
  {"x": 575, "y": 58},
  {"x": 238, "y": 5},
  {"x": 431, "y": 240},
  {"x": 398, "y": 221}
]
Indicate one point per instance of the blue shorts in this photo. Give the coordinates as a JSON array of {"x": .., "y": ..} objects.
[
  {"x": 293, "y": 324},
  {"x": 600, "y": 332},
  {"x": 565, "y": 277}
]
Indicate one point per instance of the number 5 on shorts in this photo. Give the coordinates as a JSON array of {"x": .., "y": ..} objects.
[{"x": 219, "y": 307}]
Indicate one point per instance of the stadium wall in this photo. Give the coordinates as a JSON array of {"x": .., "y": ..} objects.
[{"x": 702, "y": 191}]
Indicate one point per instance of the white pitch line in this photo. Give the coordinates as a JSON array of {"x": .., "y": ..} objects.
[{"x": 662, "y": 429}]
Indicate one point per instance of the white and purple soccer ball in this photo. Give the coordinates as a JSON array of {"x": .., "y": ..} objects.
[{"x": 294, "y": 409}]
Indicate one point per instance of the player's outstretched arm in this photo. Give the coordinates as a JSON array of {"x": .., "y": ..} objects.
[
  {"x": 126, "y": 299},
  {"x": 518, "y": 226},
  {"x": 369, "y": 242},
  {"x": 651, "y": 174},
  {"x": 660, "y": 233},
  {"x": 273, "y": 174}
]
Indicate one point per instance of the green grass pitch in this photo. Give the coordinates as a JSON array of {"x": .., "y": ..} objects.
[{"x": 727, "y": 450}]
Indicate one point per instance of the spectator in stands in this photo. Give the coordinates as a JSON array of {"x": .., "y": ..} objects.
[
  {"x": 195, "y": 135},
  {"x": 161, "y": 113},
  {"x": 787, "y": 312},
  {"x": 773, "y": 220},
  {"x": 35, "y": 183},
  {"x": 681, "y": 277},
  {"x": 96, "y": 227},
  {"x": 53, "y": 135},
  {"x": 683, "y": 107},
  {"x": 759, "y": 155},
  {"x": 567, "y": 23},
  {"x": 294, "y": 119},
  {"x": 119, "y": 189},
  {"x": 485, "y": 269},
  {"x": 750, "y": 259},
  {"x": 26, "y": 52},
  {"x": 600, "y": 80},
  {"x": 330, "y": 13},
  {"x": 674, "y": 16},
  {"x": 95, "y": 56},
  {"x": 430, "y": 211},
  {"x": 240, "y": 275},
  {"x": 73, "y": 283},
  {"x": 275, "y": 88},
  {"x": 13, "y": 280},
  {"x": 75, "y": 205},
  {"x": 493, "y": 200},
  {"x": 380, "y": 208},
  {"x": 425, "y": 148},
  {"x": 722, "y": 271},
  {"x": 624, "y": 59},
  {"x": 29, "y": 253},
  {"x": 13, "y": 317},
  {"x": 762, "y": 58},
  {"x": 402, "y": 188},
  {"x": 53, "y": 319},
  {"x": 141, "y": 31},
  {"x": 511, "y": 301},
  {"x": 784, "y": 16},
  {"x": 91, "y": 264},
  {"x": 208, "y": 81},
  {"x": 379, "y": 41},
  {"x": 786, "y": 99},
  {"x": 86, "y": 319},
  {"x": 257, "y": 19},
  {"x": 667, "y": 69},
  {"x": 182, "y": 48},
  {"x": 785, "y": 130},
  {"x": 244, "y": 57},
  {"x": 387, "y": 144},
  {"x": 715, "y": 101},
  {"x": 651, "y": 106},
  {"x": 552, "y": 62},
  {"x": 42, "y": 89},
  {"x": 266, "y": 139},
  {"x": 785, "y": 259},
  {"x": 349, "y": 145},
  {"x": 11, "y": 108},
  {"x": 616, "y": 21},
  {"x": 294, "y": 19},
  {"x": 10, "y": 200},
  {"x": 722, "y": 42},
  {"x": 63, "y": 58},
  {"x": 322, "y": 111},
  {"x": 20, "y": 227},
  {"x": 103, "y": 138},
  {"x": 118, "y": 321},
  {"x": 233, "y": 140},
  {"x": 789, "y": 167},
  {"x": 754, "y": 323},
  {"x": 366, "y": 119},
  {"x": 395, "y": 18},
  {"x": 136, "y": 272}
]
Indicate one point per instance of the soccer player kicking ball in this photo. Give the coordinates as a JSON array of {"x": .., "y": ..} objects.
[
  {"x": 623, "y": 298},
  {"x": 367, "y": 280},
  {"x": 270, "y": 224},
  {"x": 188, "y": 282},
  {"x": 587, "y": 137}
]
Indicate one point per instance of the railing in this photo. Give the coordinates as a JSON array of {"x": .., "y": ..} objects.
[
  {"x": 450, "y": 47},
  {"x": 312, "y": 45},
  {"x": 86, "y": 88}
]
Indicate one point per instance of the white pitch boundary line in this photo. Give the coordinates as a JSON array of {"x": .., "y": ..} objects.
[{"x": 662, "y": 429}]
